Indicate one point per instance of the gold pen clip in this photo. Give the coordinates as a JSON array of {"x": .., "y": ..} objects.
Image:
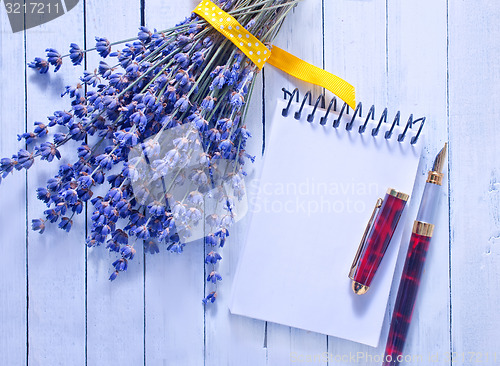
[
  {"x": 378, "y": 204},
  {"x": 376, "y": 239}
]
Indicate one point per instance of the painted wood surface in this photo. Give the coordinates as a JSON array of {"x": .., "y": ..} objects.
[
  {"x": 55, "y": 262},
  {"x": 432, "y": 58},
  {"x": 115, "y": 314},
  {"x": 13, "y": 204},
  {"x": 474, "y": 176}
]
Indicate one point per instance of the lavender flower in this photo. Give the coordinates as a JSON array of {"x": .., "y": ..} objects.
[
  {"x": 103, "y": 47},
  {"x": 38, "y": 225},
  {"x": 211, "y": 297},
  {"x": 237, "y": 100},
  {"x": 54, "y": 58},
  {"x": 47, "y": 151},
  {"x": 213, "y": 257},
  {"x": 40, "y": 64},
  {"x": 214, "y": 277},
  {"x": 65, "y": 223},
  {"x": 76, "y": 54},
  {"x": 25, "y": 159}
]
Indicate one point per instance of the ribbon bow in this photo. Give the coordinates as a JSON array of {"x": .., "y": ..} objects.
[{"x": 259, "y": 54}]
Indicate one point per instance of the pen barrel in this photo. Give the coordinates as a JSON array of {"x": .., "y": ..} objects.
[
  {"x": 429, "y": 203},
  {"x": 407, "y": 294},
  {"x": 378, "y": 239}
]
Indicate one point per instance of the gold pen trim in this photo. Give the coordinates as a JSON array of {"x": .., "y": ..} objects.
[
  {"x": 398, "y": 194},
  {"x": 435, "y": 175},
  {"x": 358, "y": 288},
  {"x": 435, "y": 178},
  {"x": 423, "y": 228}
]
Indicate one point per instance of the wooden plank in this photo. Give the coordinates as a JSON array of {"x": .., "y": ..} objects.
[
  {"x": 115, "y": 310},
  {"x": 301, "y": 35},
  {"x": 174, "y": 283},
  {"x": 233, "y": 339},
  {"x": 13, "y": 316},
  {"x": 475, "y": 175},
  {"x": 417, "y": 83},
  {"x": 356, "y": 50},
  {"x": 56, "y": 260}
]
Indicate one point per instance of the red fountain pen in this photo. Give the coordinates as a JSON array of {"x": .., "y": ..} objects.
[{"x": 415, "y": 258}]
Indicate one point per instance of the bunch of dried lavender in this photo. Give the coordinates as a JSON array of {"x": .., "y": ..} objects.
[{"x": 163, "y": 125}]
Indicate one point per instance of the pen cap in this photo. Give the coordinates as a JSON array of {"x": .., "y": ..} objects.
[{"x": 376, "y": 239}]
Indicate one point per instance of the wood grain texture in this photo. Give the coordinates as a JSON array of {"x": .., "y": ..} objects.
[
  {"x": 474, "y": 176},
  {"x": 247, "y": 335},
  {"x": 115, "y": 310},
  {"x": 56, "y": 260},
  {"x": 247, "y": 346},
  {"x": 13, "y": 276},
  {"x": 438, "y": 59},
  {"x": 174, "y": 283},
  {"x": 356, "y": 47},
  {"x": 417, "y": 70}
]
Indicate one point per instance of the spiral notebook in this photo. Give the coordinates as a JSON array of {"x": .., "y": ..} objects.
[{"x": 323, "y": 170}]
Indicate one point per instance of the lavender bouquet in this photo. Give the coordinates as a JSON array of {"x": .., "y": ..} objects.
[{"x": 160, "y": 125}]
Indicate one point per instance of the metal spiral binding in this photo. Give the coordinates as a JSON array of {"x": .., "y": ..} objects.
[{"x": 345, "y": 110}]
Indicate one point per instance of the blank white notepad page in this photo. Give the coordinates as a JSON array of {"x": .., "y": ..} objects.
[{"x": 316, "y": 193}]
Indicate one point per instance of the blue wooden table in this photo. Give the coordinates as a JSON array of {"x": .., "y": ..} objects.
[{"x": 434, "y": 58}]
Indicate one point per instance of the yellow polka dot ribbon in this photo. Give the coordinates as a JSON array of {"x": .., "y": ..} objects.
[
  {"x": 259, "y": 54},
  {"x": 234, "y": 31}
]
